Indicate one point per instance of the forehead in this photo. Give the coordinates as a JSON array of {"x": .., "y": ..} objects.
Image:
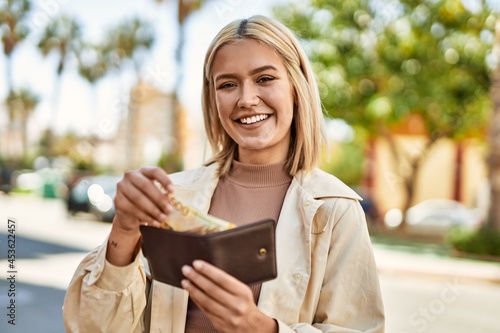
[{"x": 245, "y": 55}]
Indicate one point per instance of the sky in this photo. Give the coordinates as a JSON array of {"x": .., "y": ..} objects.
[{"x": 86, "y": 109}]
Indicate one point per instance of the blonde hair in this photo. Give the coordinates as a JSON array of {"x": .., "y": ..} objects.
[{"x": 307, "y": 133}]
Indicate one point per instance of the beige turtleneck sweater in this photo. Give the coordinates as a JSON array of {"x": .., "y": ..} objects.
[{"x": 249, "y": 193}]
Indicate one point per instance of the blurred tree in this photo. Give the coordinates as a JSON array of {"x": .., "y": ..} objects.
[
  {"x": 494, "y": 141},
  {"x": 184, "y": 9},
  {"x": 78, "y": 149},
  {"x": 61, "y": 36},
  {"x": 125, "y": 44},
  {"x": 347, "y": 161},
  {"x": 13, "y": 31},
  {"x": 21, "y": 104},
  {"x": 92, "y": 66},
  {"x": 378, "y": 62}
]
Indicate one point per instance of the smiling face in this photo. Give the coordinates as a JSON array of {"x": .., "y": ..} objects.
[{"x": 254, "y": 99}]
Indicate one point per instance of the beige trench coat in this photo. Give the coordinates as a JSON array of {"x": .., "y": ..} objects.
[{"x": 327, "y": 280}]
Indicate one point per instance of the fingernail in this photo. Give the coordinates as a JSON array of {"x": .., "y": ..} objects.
[
  {"x": 197, "y": 264},
  {"x": 184, "y": 283},
  {"x": 186, "y": 269},
  {"x": 163, "y": 217}
]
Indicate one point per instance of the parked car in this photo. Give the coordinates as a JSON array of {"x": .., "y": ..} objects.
[
  {"x": 95, "y": 195},
  {"x": 6, "y": 172},
  {"x": 368, "y": 205},
  {"x": 437, "y": 216}
]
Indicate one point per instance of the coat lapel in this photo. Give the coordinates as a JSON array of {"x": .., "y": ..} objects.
[{"x": 281, "y": 297}]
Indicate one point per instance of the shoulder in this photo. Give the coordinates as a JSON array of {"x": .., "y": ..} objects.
[
  {"x": 322, "y": 185},
  {"x": 199, "y": 174}
]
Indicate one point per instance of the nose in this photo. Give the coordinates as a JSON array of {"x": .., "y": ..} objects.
[{"x": 248, "y": 96}]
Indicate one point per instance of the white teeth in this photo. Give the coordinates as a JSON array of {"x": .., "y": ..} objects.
[{"x": 254, "y": 119}]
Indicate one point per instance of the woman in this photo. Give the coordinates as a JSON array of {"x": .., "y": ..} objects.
[{"x": 264, "y": 122}]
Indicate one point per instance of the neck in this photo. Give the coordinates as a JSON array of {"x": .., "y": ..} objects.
[{"x": 261, "y": 157}]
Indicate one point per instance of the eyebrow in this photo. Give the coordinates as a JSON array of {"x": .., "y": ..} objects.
[{"x": 252, "y": 72}]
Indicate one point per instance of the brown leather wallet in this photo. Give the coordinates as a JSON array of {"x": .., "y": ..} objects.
[{"x": 248, "y": 252}]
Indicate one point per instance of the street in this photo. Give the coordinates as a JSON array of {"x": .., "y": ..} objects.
[{"x": 49, "y": 246}]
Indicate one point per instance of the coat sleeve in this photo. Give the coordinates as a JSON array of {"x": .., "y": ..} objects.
[
  {"x": 350, "y": 300},
  {"x": 102, "y": 297}
]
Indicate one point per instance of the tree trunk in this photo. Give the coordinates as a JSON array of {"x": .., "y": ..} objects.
[
  {"x": 24, "y": 133},
  {"x": 408, "y": 177},
  {"x": 6, "y": 150},
  {"x": 457, "y": 175},
  {"x": 174, "y": 161},
  {"x": 494, "y": 142}
]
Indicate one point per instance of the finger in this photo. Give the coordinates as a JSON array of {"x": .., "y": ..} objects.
[
  {"x": 145, "y": 190},
  {"x": 212, "y": 283},
  {"x": 218, "y": 276},
  {"x": 207, "y": 304},
  {"x": 216, "y": 304},
  {"x": 141, "y": 207},
  {"x": 202, "y": 282},
  {"x": 155, "y": 224},
  {"x": 220, "y": 306},
  {"x": 136, "y": 207},
  {"x": 155, "y": 173}
]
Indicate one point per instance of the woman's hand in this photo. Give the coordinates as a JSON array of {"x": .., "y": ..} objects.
[
  {"x": 138, "y": 201},
  {"x": 227, "y": 302}
]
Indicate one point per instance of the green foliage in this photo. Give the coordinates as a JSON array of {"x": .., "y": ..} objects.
[
  {"x": 483, "y": 241},
  {"x": 13, "y": 27},
  {"x": 377, "y": 61},
  {"x": 21, "y": 103},
  {"x": 126, "y": 40},
  {"x": 92, "y": 63},
  {"x": 61, "y": 35},
  {"x": 346, "y": 162},
  {"x": 170, "y": 162}
]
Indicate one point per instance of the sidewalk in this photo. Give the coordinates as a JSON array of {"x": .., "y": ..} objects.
[{"x": 392, "y": 261}]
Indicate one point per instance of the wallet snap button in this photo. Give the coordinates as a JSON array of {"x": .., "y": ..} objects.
[
  {"x": 297, "y": 277},
  {"x": 262, "y": 251},
  {"x": 307, "y": 203}
]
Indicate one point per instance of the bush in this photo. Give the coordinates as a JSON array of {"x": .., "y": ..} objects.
[{"x": 483, "y": 241}]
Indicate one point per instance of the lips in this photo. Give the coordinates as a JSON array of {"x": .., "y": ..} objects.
[{"x": 253, "y": 119}]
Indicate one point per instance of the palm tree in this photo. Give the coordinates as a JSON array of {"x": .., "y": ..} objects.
[
  {"x": 92, "y": 66},
  {"x": 13, "y": 31},
  {"x": 62, "y": 36},
  {"x": 494, "y": 141},
  {"x": 125, "y": 44},
  {"x": 21, "y": 104},
  {"x": 184, "y": 9}
]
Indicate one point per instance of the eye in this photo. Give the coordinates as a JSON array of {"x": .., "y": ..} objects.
[
  {"x": 226, "y": 85},
  {"x": 265, "y": 79}
]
